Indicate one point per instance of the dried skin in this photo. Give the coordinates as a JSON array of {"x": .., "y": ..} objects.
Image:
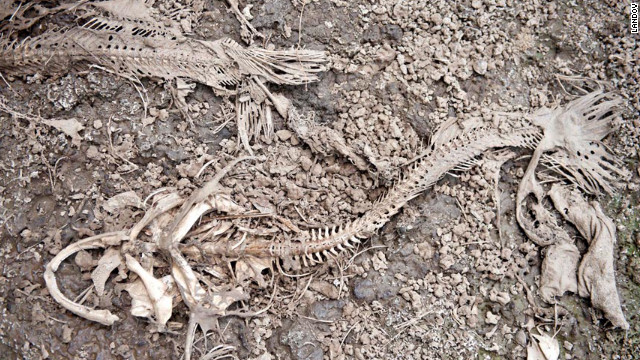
[
  {"x": 596, "y": 277},
  {"x": 558, "y": 272}
]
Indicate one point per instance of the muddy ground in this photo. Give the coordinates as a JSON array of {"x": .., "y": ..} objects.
[{"x": 438, "y": 282}]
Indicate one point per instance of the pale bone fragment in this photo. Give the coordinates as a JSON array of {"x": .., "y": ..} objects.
[
  {"x": 491, "y": 165},
  {"x": 247, "y": 12},
  {"x": 164, "y": 204},
  {"x": 211, "y": 230},
  {"x": 248, "y": 31},
  {"x": 558, "y": 271},
  {"x": 157, "y": 230},
  {"x": 141, "y": 305},
  {"x": 158, "y": 291},
  {"x": 188, "y": 284},
  {"x": 544, "y": 347},
  {"x": 253, "y": 111},
  {"x": 107, "y": 263},
  {"x": 280, "y": 102},
  {"x": 69, "y": 127},
  {"x": 596, "y": 277},
  {"x": 218, "y": 201},
  {"x": 534, "y": 352},
  {"x": 104, "y": 317}
]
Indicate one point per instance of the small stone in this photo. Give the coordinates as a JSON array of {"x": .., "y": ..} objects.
[
  {"x": 163, "y": 114},
  {"x": 148, "y": 120},
  {"x": 92, "y": 152},
  {"x": 480, "y": 67},
  {"x": 325, "y": 288},
  {"x": 306, "y": 163},
  {"x": 359, "y": 113},
  {"x": 294, "y": 192},
  {"x": 521, "y": 338},
  {"x": 84, "y": 260},
  {"x": 424, "y": 250},
  {"x": 379, "y": 261},
  {"x": 567, "y": 345},
  {"x": 492, "y": 318},
  {"x": 316, "y": 170},
  {"x": 283, "y": 135},
  {"x": 502, "y": 298},
  {"x": 436, "y": 18},
  {"x": 97, "y": 124},
  {"x": 287, "y": 31},
  {"x": 446, "y": 262},
  {"x": 66, "y": 334}
]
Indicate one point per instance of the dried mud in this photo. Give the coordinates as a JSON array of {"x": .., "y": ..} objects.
[{"x": 438, "y": 282}]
